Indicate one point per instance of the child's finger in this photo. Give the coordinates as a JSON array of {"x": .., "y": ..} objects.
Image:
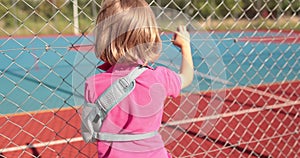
[
  {"x": 179, "y": 28},
  {"x": 173, "y": 38},
  {"x": 177, "y": 35},
  {"x": 181, "y": 33},
  {"x": 183, "y": 27}
]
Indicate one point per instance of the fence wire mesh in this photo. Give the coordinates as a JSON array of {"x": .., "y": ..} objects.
[{"x": 244, "y": 100}]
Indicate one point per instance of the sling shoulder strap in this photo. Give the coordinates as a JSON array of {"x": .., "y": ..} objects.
[
  {"x": 119, "y": 90},
  {"x": 114, "y": 95}
]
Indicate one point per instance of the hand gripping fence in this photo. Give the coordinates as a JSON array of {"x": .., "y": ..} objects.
[{"x": 93, "y": 114}]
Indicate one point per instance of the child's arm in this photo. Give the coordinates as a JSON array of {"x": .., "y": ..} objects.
[{"x": 182, "y": 40}]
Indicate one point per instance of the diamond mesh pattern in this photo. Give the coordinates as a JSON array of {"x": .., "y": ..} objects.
[{"x": 247, "y": 108}]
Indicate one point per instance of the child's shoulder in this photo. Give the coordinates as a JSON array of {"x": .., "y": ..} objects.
[
  {"x": 164, "y": 70},
  {"x": 164, "y": 73}
]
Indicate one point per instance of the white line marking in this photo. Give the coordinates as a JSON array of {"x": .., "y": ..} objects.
[
  {"x": 43, "y": 144},
  {"x": 270, "y": 95},
  {"x": 230, "y": 114},
  {"x": 213, "y": 78}
]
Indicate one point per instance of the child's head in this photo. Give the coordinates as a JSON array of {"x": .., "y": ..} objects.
[{"x": 126, "y": 30}]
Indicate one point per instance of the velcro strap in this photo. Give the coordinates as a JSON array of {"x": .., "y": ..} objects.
[{"x": 124, "y": 137}]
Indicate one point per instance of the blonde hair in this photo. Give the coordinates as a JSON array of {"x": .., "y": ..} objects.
[{"x": 126, "y": 30}]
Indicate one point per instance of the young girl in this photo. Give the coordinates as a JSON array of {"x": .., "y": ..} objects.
[{"x": 127, "y": 36}]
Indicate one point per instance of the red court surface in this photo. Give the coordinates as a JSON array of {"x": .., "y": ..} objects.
[{"x": 257, "y": 121}]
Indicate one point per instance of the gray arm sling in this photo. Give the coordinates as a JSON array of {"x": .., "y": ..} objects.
[{"x": 93, "y": 114}]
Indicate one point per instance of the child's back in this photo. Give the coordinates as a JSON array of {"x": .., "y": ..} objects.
[{"x": 127, "y": 36}]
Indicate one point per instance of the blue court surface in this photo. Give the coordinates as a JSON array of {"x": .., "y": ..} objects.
[{"x": 40, "y": 73}]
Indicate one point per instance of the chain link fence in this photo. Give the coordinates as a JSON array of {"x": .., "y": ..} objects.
[{"x": 244, "y": 100}]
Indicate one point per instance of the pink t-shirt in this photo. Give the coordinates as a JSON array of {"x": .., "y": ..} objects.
[{"x": 140, "y": 112}]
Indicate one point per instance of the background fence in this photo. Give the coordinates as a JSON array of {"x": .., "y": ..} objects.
[{"x": 244, "y": 100}]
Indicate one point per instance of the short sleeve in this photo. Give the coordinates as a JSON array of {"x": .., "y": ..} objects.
[{"x": 171, "y": 80}]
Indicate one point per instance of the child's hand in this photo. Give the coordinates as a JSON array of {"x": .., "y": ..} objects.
[{"x": 181, "y": 38}]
